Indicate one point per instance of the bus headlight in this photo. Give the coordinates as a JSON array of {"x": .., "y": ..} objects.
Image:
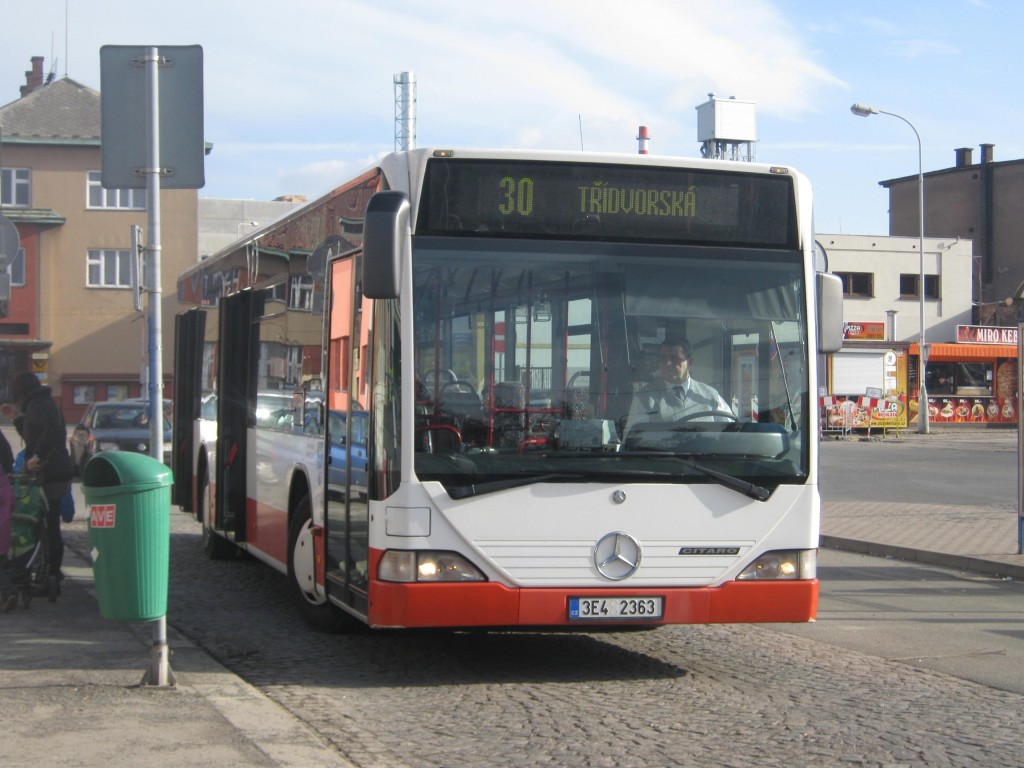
[
  {"x": 408, "y": 566},
  {"x": 783, "y": 565}
]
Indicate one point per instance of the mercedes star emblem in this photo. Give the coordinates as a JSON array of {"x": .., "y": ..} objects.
[{"x": 617, "y": 556}]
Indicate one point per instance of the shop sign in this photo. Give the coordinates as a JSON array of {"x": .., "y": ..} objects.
[
  {"x": 864, "y": 331},
  {"x": 985, "y": 334}
]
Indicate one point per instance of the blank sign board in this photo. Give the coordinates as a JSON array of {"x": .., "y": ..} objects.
[{"x": 126, "y": 109}]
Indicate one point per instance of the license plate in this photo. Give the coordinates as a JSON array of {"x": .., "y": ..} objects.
[{"x": 605, "y": 608}]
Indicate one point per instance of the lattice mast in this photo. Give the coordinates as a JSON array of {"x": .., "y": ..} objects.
[{"x": 405, "y": 111}]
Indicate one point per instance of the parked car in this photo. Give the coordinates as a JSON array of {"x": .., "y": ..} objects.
[
  {"x": 337, "y": 454},
  {"x": 115, "y": 426}
]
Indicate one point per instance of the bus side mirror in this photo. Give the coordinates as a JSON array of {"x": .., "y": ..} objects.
[
  {"x": 829, "y": 294},
  {"x": 387, "y": 242}
]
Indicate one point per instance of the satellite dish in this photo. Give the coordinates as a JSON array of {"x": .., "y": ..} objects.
[{"x": 10, "y": 242}]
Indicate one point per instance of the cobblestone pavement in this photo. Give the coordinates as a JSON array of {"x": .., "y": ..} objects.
[{"x": 677, "y": 696}]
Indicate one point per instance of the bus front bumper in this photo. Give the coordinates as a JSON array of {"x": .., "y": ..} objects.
[{"x": 494, "y": 605}]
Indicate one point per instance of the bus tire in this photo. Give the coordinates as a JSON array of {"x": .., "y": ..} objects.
[
  {"x": 215, "y": 546},
  {"x": 316, "y": 610}
]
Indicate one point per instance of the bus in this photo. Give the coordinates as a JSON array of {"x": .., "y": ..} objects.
[{"x": 412, "y": 395}]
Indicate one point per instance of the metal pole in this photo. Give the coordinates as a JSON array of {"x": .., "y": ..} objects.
[
  {"x": 1020, "y": 430},
  {"x": 922, "y": 389},
  {"x": 923, "y": 415},
  {"x": 159, "y": 672},
  {"x": 864, "y": 110}
]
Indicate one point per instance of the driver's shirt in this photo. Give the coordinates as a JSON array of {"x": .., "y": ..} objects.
[{"x": 663, "y": 401}]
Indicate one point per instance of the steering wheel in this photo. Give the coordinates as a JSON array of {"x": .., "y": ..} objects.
[
  {"x": 729, "y": 415},
  {"x": 458, "y": 387}
]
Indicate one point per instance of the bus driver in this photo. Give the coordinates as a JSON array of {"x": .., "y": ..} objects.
[{"x": 676, "y": 394}]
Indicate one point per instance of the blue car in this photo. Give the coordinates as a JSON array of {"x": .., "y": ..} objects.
[{"x": 336, "y": 458}]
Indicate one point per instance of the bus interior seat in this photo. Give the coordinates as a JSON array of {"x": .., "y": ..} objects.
[
  {"x": 577, "y": 404},
  {"x": 460, "y": 404},
  {"x": 507, "y": 419}
]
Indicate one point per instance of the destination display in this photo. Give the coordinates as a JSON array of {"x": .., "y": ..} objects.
[{"x": 596, "y": 201}]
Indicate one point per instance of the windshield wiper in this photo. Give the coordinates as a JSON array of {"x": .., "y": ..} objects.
[
  {"x": 478, "y": 489},
  {"x": 753, "y": 490}
]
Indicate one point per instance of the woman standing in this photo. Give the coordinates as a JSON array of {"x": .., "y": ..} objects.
[
  {"x": 8, "y": 592},
  {"x": 41, "y": 426}
]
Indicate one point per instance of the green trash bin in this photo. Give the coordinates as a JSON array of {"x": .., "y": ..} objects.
[{"x": 128, "y": 501}]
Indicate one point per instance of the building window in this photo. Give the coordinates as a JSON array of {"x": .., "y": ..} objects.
[
  {"x": 118, "y": 199},
  {"x": 83, "y": 394},
  {"x": 16, "y": 186},
  {"x": 300, "y": 292},
  {"x": 858, "y": 284},
  {"x": 108, "y": 268},
  {"x": 909, "y": 284},
  {"x": 117, "y": 392},
  {"x": 964, "y": 379},
  {"x": 16, "y": 269},
  {"x": 277, "y": 292},
  {"x": 293, "y": 365}
]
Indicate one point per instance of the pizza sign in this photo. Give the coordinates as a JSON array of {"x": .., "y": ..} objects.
[{"x": 864, "y": 331}]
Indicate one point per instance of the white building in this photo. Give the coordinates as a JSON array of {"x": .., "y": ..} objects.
[
  {"x": 971, "y": 370},
  {"x": 881, "y": 275}
]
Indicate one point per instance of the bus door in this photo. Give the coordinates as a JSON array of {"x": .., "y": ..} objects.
[
  {"x": 346, "y": 516},
  {"x": 189, "y": 330},
  {"x": 236, "y": 389}
]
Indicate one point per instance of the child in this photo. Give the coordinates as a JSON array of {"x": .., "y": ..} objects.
[{"x": 8, "y": 593}]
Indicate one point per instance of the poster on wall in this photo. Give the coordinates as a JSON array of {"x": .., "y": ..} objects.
[{"x": 1000, "y": 408}]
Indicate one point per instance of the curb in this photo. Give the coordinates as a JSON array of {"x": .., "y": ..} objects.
[{"x": 959, "y": 562}]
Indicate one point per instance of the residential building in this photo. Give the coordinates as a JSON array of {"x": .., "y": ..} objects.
[{"x": 70, "y": 315}]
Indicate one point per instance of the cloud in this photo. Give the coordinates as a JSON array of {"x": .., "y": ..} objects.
[
  {"x": 305, "y": 89},
  {"x": 903, "y": 43}
]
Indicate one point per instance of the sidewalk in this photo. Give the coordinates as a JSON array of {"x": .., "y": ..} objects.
[
  {"x": 70, "y": 680},
  {"x": 980, "y": 539},
  {"x": 71, "y": 694}
]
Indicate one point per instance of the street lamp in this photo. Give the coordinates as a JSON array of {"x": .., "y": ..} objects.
[
  {"x": 863, "y": 110},
  {"x": 238, "y": 228}
]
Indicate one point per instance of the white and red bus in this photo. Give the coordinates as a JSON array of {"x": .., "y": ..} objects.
[{"x": 411, "y": 395}]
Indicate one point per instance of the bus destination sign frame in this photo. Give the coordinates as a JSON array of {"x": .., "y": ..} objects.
[{"x": 489, "y": 198}]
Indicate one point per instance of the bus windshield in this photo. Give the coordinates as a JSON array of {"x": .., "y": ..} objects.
[{"x": 608, "y": 362}]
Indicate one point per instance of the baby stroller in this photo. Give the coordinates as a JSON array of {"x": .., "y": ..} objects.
[{"x": 27, "y": 559}]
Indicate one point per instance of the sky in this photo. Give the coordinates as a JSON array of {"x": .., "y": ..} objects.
[{"x": 299, "y": 95}]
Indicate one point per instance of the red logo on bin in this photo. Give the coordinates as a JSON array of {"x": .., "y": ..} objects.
[{"x": 102, "y": 515}]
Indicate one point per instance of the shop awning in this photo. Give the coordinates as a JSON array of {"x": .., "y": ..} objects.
[{"x": 953, "y": 352}]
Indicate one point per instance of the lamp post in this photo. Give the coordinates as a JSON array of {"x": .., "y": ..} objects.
[
  {"x": 863, "y": 110},
  {"x": 238, "y": 228}
]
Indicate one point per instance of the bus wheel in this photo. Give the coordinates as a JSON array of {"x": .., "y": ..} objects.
[
  {"x": 316, "y": 610},
  {"x": 215, "y": 546}
]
